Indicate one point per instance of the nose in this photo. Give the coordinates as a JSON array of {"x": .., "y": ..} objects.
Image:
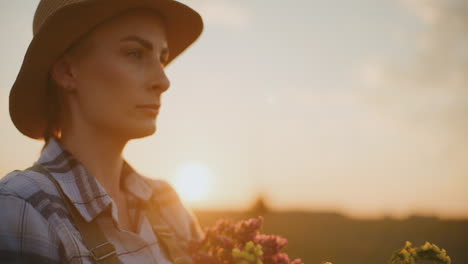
[{"x": 160, "y": 82}]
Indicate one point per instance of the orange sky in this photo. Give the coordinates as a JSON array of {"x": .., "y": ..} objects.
[{"x": 318, "y": 105}]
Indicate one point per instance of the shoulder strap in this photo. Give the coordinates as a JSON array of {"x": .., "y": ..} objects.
[{"x": 102, "y": 251}]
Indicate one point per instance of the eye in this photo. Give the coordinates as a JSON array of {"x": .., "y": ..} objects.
[
  {"x": 164, "y": 59},
  {"x": 138, "y": 54}
]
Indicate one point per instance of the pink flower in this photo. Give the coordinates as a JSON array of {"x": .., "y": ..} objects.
[{"x": 243, "y": 238}]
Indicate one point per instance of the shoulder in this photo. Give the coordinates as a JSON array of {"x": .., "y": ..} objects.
[
  {"x": 35, "y": 189},
  {"x": 26, "y": 236},
  {"x": 26, "y": 184},
  {"x": 182, "y": 217},
  {"x": 164, "y": 192}
]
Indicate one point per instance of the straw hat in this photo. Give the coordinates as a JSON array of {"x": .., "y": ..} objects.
[{"x": 58, "y": 24}]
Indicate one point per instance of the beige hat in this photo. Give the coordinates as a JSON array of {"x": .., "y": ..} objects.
[{"x": 58, "y": 24}]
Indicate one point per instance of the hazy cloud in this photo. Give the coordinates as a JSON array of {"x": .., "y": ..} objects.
[
  {"x": 433, "y": 11},
  {"x": 435, "y": 77},
  {"x": 429, "y": 88}
]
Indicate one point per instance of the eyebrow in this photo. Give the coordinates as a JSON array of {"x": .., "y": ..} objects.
[{"x": 145, "y": 43}]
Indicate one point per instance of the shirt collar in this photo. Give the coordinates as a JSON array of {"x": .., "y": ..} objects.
[{"x": 84, "y": 191}]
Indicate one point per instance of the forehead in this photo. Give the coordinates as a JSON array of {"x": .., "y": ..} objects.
[{"x": 144, "y": 23}]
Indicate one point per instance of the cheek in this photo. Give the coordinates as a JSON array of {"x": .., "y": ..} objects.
[{"x": 109, "y": 89}]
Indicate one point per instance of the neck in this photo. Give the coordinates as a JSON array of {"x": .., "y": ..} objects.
[{"x": 100, "y": 154}]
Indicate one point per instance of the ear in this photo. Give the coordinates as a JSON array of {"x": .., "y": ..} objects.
[{"x": 63, "y": 75}]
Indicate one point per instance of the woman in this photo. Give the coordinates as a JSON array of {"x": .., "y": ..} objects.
[{"x": 92, "y": 80}]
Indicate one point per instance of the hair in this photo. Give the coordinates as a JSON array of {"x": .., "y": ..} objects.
[
  {"x": 55, "y": 95},
  {"x": 54, "y": 109}
]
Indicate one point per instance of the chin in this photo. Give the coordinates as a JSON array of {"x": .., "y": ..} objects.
[
  {"x": 133, "y": 128},
  {"x": 141, "y": 131},
  {"x": 145, "y": 132}
]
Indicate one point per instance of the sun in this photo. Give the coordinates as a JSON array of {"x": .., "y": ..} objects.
[{"x": 193, "y": 182}]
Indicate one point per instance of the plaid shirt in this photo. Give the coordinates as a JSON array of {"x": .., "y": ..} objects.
[{"x": 35, "y": 226}]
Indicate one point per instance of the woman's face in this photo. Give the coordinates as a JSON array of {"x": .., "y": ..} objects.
[{"x": 119, "y": 77}]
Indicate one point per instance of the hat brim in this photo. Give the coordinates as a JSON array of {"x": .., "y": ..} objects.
[{"x": 27, "y": 101}]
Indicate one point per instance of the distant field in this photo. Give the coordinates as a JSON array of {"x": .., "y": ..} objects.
[{"x": 318, "y": 237}]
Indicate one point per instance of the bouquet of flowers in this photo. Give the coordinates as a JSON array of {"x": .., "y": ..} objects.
[{"x": 239, "y": 243}]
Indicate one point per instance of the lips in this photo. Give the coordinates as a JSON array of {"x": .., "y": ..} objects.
[{"x": 149, "y": 109}]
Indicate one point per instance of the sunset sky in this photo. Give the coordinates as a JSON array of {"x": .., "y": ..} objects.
[{"x": 355, "y": 106}]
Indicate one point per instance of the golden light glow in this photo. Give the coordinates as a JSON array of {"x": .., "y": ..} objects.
[{"x": 194, "y": 182}]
